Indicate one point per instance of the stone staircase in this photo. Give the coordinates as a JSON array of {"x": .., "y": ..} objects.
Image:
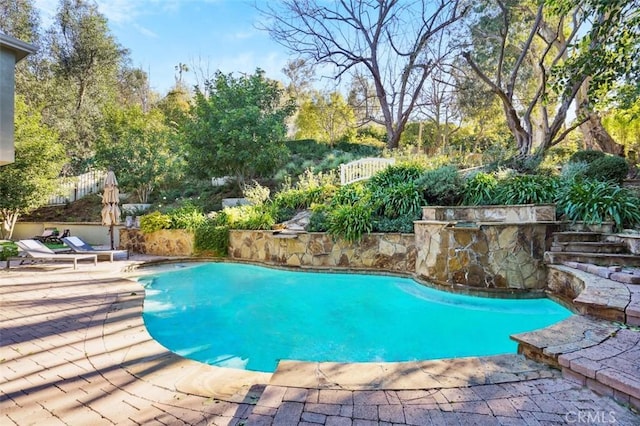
[
  {"x": 594, "y": 248},
  {"x": 600, "y": 348}
]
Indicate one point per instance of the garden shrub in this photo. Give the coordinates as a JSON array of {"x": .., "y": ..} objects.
[
  {"x": 188, "y": 216},
  {"x": 594, "y": 202},
  {"x": 608, "y": 167},
  {"x": 394, "y": 175},
  {"x": 526, "y": 189},
  {"x": 154, "y": 221},
  {"x": 212, "y": 238},
  {"x": 479, "y": 189},
  {"x": 573, "y": 170},
  {"x": 402, "y": 224},
  {"x": 350, "y": 194},
  {"x": 8, "y": 249},
  {"x": 256, "y": 194},
  {"x": 442, "y": 186},
  {"x": 401, "y": 199},
  {"x": 319, "y": 221},
  {"x": 586, "y": 156},
  {"x": 250, "y": 217},
  {"x": 350, "y": 222}
]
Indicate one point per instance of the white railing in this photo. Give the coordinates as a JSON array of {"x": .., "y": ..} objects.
[
  {"x": 76, "y": 187},
  {"x": 363, "y": 169}
]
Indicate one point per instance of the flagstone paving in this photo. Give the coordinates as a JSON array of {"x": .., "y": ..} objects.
[{"x": 74, "y": 351}]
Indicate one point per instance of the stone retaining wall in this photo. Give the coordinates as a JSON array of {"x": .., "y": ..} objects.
[
  {"x": 166, "y": 242},
  {"x": 388, "y": 252}
]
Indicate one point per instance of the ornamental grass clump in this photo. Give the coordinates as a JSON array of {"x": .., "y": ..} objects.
[
  {"x": 594, "y": 202},
  {"x": 526, "y": 189}
]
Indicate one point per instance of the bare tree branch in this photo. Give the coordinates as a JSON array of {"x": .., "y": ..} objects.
[{"x": 386, "y": 39}]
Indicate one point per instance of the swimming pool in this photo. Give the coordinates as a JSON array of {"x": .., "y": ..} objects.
[{"x": 250, "y": 317}]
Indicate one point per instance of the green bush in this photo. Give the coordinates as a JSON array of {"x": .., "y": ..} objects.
[
  {"x": 442, "y": 186},
  {"x": 586, "y": 156},
  {"x": 154, "y": 221},
  {"x": 573, "y": 170},
  {"x": 526, "y": 189},
  {"x": 256, "y": 194},
  {"x": 394, "y": 175},
  {"x": 8, "y": 249},
  {"x": 187, "y": 216},
  {"x": 401, "y": 199},
  {"x": 402, "y": 224},
  {"x": 608, "y": 167},
  {"x": 319, "y": 221},
  {"x": 212, "y": 238},
  {"x": 350, "y": 194},
  {"x": 479, "y": 190},
  {"x": 295, "y": 198},
  {"x": 350, "y": 222},
  {"x": 250, "y": 217},
  {"x": 593, "y": 201}
]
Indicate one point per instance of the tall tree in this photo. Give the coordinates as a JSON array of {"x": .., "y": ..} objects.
[
  {"x": 86, "y": 59},
  {"x": 325, "y": 117},
  {"x": 26, "y": 183},
  {"x": 139, "y": 148},
  {"x": 536, "y": 59},
  {"x": 19, "y": 19},
  {"x": 237, "y": 127},
  {"x": 388, "y": 40}
]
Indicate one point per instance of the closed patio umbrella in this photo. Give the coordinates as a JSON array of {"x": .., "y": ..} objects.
[{"x": 110, "y": 199}]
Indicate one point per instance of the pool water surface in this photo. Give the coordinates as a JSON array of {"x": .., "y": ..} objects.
[{"x": 250, "y": 317}]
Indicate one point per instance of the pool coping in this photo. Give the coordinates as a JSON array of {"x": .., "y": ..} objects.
[{"x": 203, "y": 379}]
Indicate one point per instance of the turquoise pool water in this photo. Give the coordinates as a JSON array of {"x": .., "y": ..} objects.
[{"x": 250, "y": 317}]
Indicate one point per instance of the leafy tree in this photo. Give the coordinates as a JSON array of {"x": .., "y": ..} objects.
[
  {"x": 237, "y": 127},
  {"x": 326, "y": 118},
  {"x": 86, "y": 62},
  {"x": 26, "y": 184},
  {"x": 395, "y": 43},
  {"x": 624, "y": 126},
  {"x": 139, "y": 148},
  {"x": 537, "y": 58}
]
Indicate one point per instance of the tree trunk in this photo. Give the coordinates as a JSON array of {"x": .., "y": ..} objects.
[
  {"x": 393, "y": 140},
  {"x": 594, "y": 134},
  {"x": 10, "y": 218}
]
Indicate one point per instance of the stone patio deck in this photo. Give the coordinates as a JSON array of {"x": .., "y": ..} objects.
[{"x": 75, "y": 352}]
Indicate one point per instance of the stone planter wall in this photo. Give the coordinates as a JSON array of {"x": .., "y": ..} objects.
[
  {"x": 166, "y": 242},
  {"x": 514, "y": 214},
  {"x": 487, "y": 256},
  {"x": 388, "y": 252}
]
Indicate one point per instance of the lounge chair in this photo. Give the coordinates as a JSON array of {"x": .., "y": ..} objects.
[
  {"x": 79, "y": 246},
  {"x": 36, "y": 251}
]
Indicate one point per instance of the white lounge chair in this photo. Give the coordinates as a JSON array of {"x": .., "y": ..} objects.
[
  {"x": 79, "y": 246},
  {"x": 35, "y": 250}
]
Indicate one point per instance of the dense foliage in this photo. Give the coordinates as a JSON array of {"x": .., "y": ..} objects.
[
  {"x": 27, "y": 183},
  {"x": 237, "y": 127}
]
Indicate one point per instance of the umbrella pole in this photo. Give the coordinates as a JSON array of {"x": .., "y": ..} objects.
[{"x": 111, "y": 232}]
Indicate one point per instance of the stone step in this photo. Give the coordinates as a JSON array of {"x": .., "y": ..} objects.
[
  {"x": 574, "y": 236},
  {"x": 602, "y": 259},
  {"x": 614, "y": 273},
  {"x": 599, "y": 355},
  {"x": 588, "y": 247}
]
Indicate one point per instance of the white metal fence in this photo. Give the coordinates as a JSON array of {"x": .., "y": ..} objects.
[
  {"x": 76, "y": 187},
  {"x": 363, "y": 169}
]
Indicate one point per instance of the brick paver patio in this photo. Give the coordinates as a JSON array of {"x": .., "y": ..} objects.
[{"x": 75, "y": 352}]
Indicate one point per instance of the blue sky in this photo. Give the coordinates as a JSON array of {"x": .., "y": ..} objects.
[{"x": 207, "y": 35}]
